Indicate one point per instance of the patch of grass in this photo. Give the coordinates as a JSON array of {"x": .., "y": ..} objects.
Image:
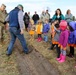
[
  {"x": 66, "y": 68},
  {"x": 8, "y": 65}
]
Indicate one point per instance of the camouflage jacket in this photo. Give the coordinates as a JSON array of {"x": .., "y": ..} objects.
[{"x": 2, "y": 18}]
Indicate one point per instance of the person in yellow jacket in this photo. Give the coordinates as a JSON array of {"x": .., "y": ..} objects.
[
  {"x": 31, "y": 29},
  {"x": 39, "y": 29}
]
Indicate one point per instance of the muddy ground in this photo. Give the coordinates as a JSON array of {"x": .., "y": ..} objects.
[
  {"x": 40, "y": 62},
  {"x": 66, "y": 68},
  {"x": 33, "y": 63}
]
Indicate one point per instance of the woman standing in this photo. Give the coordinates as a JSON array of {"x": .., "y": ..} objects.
[
  {"x": 68, "y": 16},
  {"x": 26, "y": 20},
  {"x": 58, "y": 15}
]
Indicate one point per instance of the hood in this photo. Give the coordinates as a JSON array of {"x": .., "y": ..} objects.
[
  {"x": 63, "y": 25},
  {"x": 63, "y": 28},
  {"x": 73, "y": 25}
]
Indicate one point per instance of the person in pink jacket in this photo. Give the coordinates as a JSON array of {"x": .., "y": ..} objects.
[{"x": 63, "y": 40}]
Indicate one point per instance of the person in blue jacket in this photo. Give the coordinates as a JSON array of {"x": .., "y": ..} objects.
[
  {"x": 16, "y": 29},
  {"x": 72, "y": 38},
  {"x": 46, "y": 28},
  {"x": 58, "y": 15}
]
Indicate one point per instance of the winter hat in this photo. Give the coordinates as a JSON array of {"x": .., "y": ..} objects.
[
  {"x": 63, "y": 25},
  {"x": 19, "y": 5}
]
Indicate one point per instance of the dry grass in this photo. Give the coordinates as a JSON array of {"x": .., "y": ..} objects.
[
  {"x": 8, "y": 65},
  {"x": 66, "y": 68}
]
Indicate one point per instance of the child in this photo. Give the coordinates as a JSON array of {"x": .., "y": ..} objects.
[
  {"x": 71, "y": 39},
  {"x": 52, "y": 28},
  {"x": 46, "y": 28},
  {"x": 39, "y": 28},
  {"x": 63, "y": 40},
  {"x": 31, "y": 29},
  {"x": 53, "y": 33},
  {"x": 56, "y": 40}
]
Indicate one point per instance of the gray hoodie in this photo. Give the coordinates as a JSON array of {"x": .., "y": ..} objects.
[{"x": 57, "y": 34}]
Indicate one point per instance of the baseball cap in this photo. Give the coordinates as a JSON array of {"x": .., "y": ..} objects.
[{"x": 20, "y": 5}]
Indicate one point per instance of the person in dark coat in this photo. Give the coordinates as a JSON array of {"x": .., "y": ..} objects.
[
  {"x": 26, "y": 20},
  {"x": 35, "y": 17}
]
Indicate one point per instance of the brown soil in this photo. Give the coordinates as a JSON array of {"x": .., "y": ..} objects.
[
  {"x": 40, "y": 62},
  {"x": 33, "y": 63}
]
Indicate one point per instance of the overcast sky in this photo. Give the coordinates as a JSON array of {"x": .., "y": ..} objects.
[{"x": 40, "y": 5}]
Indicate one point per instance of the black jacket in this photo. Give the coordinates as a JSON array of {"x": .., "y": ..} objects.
[
  {"x": 35, "y": 17},
  {"x": 26, "y": 19}
]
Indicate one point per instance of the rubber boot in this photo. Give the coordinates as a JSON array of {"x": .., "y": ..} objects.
[
  {"x": 62, "y": 59},
  {"x": 40, "y": 39},
  {"x": 58, "y": 59}
]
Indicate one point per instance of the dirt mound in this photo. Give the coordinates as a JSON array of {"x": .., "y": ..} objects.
[{"x": 33, "y": 63}]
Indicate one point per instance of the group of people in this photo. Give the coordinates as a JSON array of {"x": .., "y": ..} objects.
[
  {"x": 63, "y": 35},
  {"x": 14, "y": 22},
  {"x": 36, "y": 17},
  {"x": 62, "y": 29}
]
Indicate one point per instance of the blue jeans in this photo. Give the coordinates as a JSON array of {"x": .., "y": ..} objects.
[
  {"x": 35, "y": 22},
  {"x": 15, "y": 33},
  {"x": 45, "y": 37}
]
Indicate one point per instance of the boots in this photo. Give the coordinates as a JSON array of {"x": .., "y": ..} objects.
[
  {"x": 63, "y": 58},
  {"x": 58, "y": 59},
  {"x": 52, "y": 46},
  {"x": 40, "y": 39},
  {"x": 70, "y": 55}
]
